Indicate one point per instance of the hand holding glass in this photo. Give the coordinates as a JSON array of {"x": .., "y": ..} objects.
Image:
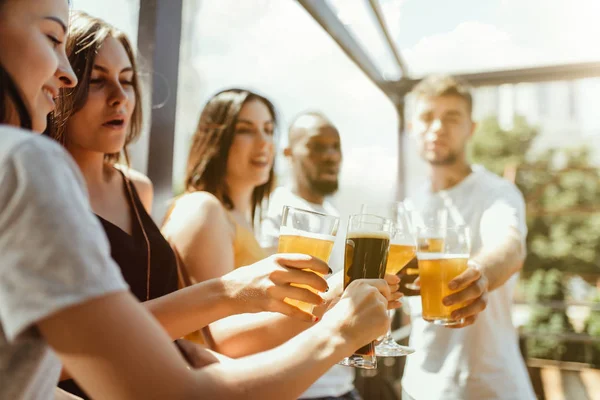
[
  {"x": 366, "y": 253},
  {"x": 306, "y": 232},
  {"x": 437, "y": 268}
]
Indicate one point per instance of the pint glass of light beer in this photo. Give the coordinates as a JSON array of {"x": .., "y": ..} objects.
[
  {"x": 438, "y": 266},
  {"x": 306, "y": 232},
  {"x": 432, "y": 221},
  {"x": 366, "y": 253}
]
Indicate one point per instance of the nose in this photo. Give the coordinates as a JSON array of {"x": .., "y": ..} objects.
[
  {"x": 333, "y": 154},
  {"x": 436, "y": 126},
  {"x": 65, "y": 74},
  {"x": 117, "y": 95},
  {"x": 263, "y": 138}
]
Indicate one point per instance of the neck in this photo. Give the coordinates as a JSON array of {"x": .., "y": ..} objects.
[
  {"x": 446, "y": 176},
  {"x": 307, "y": 194},
  {"x": 241, "y": 197},
  {"x": 91, "y": 164}
]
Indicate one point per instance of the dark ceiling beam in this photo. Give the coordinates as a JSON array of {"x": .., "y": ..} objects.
[
  {"x": 563, "y": 72},
  {"x": 393, "y": 48},
  {"x": 323, "y": 14}
]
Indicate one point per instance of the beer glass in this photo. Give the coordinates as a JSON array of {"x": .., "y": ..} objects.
[
  {"x": 402, "y": 251},
  {"x": 366, "y": 253},
  {"x": 434, "y": 217},
  {"x": 306, "y": 232},
  {"x": 438, "y": 267}
]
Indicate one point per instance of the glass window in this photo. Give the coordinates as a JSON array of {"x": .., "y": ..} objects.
[{"x": 121, "y": 13}]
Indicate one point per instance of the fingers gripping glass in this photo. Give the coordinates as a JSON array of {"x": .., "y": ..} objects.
[
  {"x": 438, "y": 267},
  {"x": 307, "y": 232}
]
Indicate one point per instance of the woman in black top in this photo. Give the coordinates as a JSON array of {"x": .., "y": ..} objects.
[{"x": 95, "y": 122}]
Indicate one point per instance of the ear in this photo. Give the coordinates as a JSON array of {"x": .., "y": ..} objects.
[
  {"x": 287, "y": 152},
  {"x": 473, "y": 128}
]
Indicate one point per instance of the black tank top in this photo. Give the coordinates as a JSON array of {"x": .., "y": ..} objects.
[{"x": 130, "y": 253}]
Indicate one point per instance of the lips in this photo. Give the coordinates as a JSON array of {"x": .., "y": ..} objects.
[
  {"x": 261, "y": 161},
  {"x": 51, "y": 94},
  {"x": 116, "y": 121}
]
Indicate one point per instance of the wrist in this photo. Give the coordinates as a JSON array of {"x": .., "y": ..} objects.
[
  {"x": 333, "y": 342},
  {"x": 229, "y": 293}
]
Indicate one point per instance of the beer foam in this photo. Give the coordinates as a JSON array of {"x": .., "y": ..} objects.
[
  {"x": 440, "y": 256},
  {"x": 402, "y": 242},
  {"x": 287, "y": 231},
  {"x": 368, "y": 235}
]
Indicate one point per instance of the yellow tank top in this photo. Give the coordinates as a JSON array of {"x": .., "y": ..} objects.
[{"x": 246, "y": 249}]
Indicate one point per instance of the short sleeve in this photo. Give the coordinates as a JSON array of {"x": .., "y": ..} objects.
[
  {"x": 54, "y": 251},
  {"x": 505, "y": 212}
]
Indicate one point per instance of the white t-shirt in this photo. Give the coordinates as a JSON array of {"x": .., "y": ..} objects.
[
  {"x": 53, "y": 254},
  {"x": 339, "y": 379},
  {"x": 481, "y": 361}
]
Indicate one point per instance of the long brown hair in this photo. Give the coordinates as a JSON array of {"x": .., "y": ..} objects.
[
  {"x": 209, "y": 151},
  {"x": 86, "y": 36},
  {"x": 11, "y": 100}
]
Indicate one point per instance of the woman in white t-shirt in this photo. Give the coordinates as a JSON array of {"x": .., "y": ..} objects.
[{"x": 62, "y": 299}]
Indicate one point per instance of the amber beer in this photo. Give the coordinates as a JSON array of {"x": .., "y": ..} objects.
[
  {"x": 436, "y": 270},
  {"x": 365, "y": 258},
  {"x": 314, "y": 244},
  {"x": 399, "y": 257},
  {"x": 432, "y": 245}
]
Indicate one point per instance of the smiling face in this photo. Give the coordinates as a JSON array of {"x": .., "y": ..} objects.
[
  {"x": 103, "y": 122},
  {"x": 252, "y": 150},
  {"x": 32, "y": 51},
  {"x": 442, "y": 127}
]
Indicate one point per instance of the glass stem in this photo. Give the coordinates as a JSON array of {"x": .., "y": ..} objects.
[{"x": 388, "y": 335}]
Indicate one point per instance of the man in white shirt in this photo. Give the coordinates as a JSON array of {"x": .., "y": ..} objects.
[
  {"x": 315, "y": 155},
  {"x": 481, "y": 358}
]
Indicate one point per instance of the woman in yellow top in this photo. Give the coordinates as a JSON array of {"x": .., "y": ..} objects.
[{"x": 229, "y": 176}]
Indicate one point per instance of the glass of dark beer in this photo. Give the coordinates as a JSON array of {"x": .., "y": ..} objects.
[
  {"x": 366, "y": 254},
  {"x": 402, "y": 252}
]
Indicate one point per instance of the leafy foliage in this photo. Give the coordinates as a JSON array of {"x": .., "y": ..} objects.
[{"x": 561, "y": 188}]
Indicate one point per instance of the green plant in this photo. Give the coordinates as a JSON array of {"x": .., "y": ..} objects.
[
  {"x": 592, "y": 328},
  {"x": 561, "y": 188},
  {"x": 544, "y": 287}
]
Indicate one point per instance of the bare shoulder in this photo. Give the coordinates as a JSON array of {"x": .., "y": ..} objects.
[
  {"x": 202, "y": 209},
  {"x": 143, "y": 185}
]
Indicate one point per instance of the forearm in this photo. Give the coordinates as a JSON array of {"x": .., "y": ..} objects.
[
  {"x": 191, "y": 308},
  {"x": 498, "y": 263},
  {"x": 242, "y": 335},
  {"x": 284, "y": 372}
]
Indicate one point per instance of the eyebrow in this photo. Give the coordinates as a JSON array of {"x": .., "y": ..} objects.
[
  {"x": 453, "y": 113},
  {"x": 104, "y": 69},
  {"x": 58, "y": 21},
  {"x": 250, "y": 122}
]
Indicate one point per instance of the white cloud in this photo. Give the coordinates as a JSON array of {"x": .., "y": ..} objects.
[{"x": 517, "y": 34}]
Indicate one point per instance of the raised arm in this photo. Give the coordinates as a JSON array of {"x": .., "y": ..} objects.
[
  {"x": 503, "y": 230},
  {"x": 121, "y": 339}
]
